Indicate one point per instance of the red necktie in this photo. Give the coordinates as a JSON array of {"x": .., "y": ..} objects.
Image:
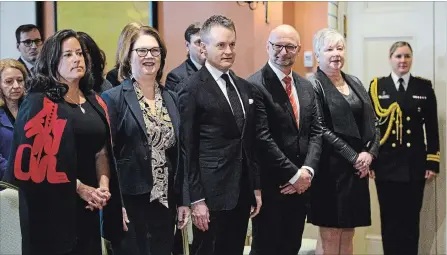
[{"x": 288, "y": 81}]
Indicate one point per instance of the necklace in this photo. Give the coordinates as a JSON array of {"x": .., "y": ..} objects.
[{"x": 80, "y": 106}]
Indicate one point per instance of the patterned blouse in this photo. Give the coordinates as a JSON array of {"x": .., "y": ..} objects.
[{"x": 161, "y": 136}]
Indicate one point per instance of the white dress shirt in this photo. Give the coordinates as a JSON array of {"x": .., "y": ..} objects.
[
  {"x": 216, "y": 73},
  {"x": 197, "y": 65},
  {"x": 406, "y": 78},
  {"x": 28, "y": 64},
  {"x": 281, "y": 76}
]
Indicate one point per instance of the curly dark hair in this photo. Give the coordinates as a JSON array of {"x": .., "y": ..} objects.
[{"x": 47, "y": 76}]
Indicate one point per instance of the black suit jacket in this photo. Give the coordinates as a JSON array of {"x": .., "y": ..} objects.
[
  {"x": 180, "y": 73},
  {"x": 26, "y": 67},
  {"x": 132, "y": 147},
  {"x": 419, "y": 149},
  {"x": 284, "y": 147},
  {"x": 216, "y": 152},
  {"x": 341, "y": 134}
]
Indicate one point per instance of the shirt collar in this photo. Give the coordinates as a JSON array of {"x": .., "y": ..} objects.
[
  {"x": 197, "y": 65},
  {"x": 28, "y": 64},
  {"x": 395, "y": 78},
  {"x": 216, "y": 73},
  {"x": 279, "y": 73}
]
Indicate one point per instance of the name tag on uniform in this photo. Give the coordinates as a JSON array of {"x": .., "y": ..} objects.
[
  {"x": 419, "y": 97},
  {"x": 384, "y": 96}
]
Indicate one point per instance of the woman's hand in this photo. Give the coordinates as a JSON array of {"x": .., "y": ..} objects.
[{"x": 96, "y": 198}]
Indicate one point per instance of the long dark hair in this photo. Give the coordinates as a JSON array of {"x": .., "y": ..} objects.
[
  {"x": 97, "y": 59},
  {"x": 47, "y": 64}
]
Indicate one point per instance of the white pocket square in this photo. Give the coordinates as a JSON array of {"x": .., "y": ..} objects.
[{"x": 250, "y": 101}]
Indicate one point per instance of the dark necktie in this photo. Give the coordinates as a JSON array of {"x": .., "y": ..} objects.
[
  {"x": 401, "y": 86},
  {"x": 234, "y": 102}
]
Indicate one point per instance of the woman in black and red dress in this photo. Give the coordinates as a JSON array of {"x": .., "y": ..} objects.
[{"x": 63, "y": 161}]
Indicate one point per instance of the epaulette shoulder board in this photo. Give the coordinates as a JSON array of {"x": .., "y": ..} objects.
[{"x": 422, "y": 78}]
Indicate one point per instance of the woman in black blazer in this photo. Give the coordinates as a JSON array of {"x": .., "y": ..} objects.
[
  {"x": 339, "y": 193},
  {"x": 145, "y": 129}
]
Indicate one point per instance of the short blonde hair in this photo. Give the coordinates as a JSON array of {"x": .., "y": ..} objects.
[
  {"x": 10, "y": 63},
  {"x": 398, "y": 45},
  {"x": 326, "y": 36}
]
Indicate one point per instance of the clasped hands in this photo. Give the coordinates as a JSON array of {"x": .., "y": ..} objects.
[
  {"x": 300, "y": 186},
  {"x": 362, "y": 164},
  {"x": 95, "y": 197}
]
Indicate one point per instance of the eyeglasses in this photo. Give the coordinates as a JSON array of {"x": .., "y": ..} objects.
[
  {"x": 29, "y": 42},
  {"x": 278, "y": 47},
  {"x": 142, "y": 52}
]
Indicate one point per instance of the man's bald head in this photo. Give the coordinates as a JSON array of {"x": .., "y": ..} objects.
[
  {"x": 283, "y": 46},
  {"x": 285, "y": 31}
]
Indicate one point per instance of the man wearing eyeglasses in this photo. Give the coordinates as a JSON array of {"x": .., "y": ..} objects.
[
  {"x": 289, "y": 139},
  {"x": 193, "y": 63},
  {"x": 29, "y": 44}
]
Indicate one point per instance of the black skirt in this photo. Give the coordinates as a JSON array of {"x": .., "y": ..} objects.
[{"x": 339, "y": 198}]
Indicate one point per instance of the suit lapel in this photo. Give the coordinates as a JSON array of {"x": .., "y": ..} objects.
[
  {"x": 343, "y": 120},
  {"x": 172, "y": 110},
  {"x": 190, "y": 67},
  {"x": 368, "y": 128},
  {"x": 244, "y": 97},
  {"x": 301, "y": 98},
  {"x": 131, "y": 99},
  {"x": 278, "y": 92},
  {"x": 209, "y": 84}
]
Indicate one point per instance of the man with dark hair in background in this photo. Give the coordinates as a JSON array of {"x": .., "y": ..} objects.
[
  {"x": 29, "y": 43},
  {"x": 193, "y": 63}
]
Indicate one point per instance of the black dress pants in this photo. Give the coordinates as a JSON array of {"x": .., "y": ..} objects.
[
  {"x": 400, "y": 207},
  {"x": 151, "y": 227},
  {"x": 278, "y": 228}
]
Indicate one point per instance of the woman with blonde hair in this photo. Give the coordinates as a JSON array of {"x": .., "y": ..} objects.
[
  {"x": 340, "y": 199},
  {"x": 409, "y": 153},
  {"x": 13, "y": 75}
]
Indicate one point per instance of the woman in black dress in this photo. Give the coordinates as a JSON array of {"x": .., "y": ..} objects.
[
  {"x": 62, "y": 160},
  {"x": 339, "y": 194}
]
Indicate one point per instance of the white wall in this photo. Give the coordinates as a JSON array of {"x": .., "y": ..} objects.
[
  {"x": 440, "y": 83},
  {"x": 12, "y": 15}
]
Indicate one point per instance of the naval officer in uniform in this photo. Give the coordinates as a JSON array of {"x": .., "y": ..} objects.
[{"x": 406, "y": 108}]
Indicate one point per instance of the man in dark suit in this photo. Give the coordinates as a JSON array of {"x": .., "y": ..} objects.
[
  {"x": 289, "y": 140},
  {"x": 193, "y": 63},
  {"x": 29, "y": 43},
  {"x": 217, "y": 119}
]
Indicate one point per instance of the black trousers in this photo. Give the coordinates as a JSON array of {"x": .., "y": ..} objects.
[
  {"x": 151, "y": 228},
  {"x": 226, "y": 231},
  {"x": 278, "y": 228},
  {"x": 400, "y": 207}
]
